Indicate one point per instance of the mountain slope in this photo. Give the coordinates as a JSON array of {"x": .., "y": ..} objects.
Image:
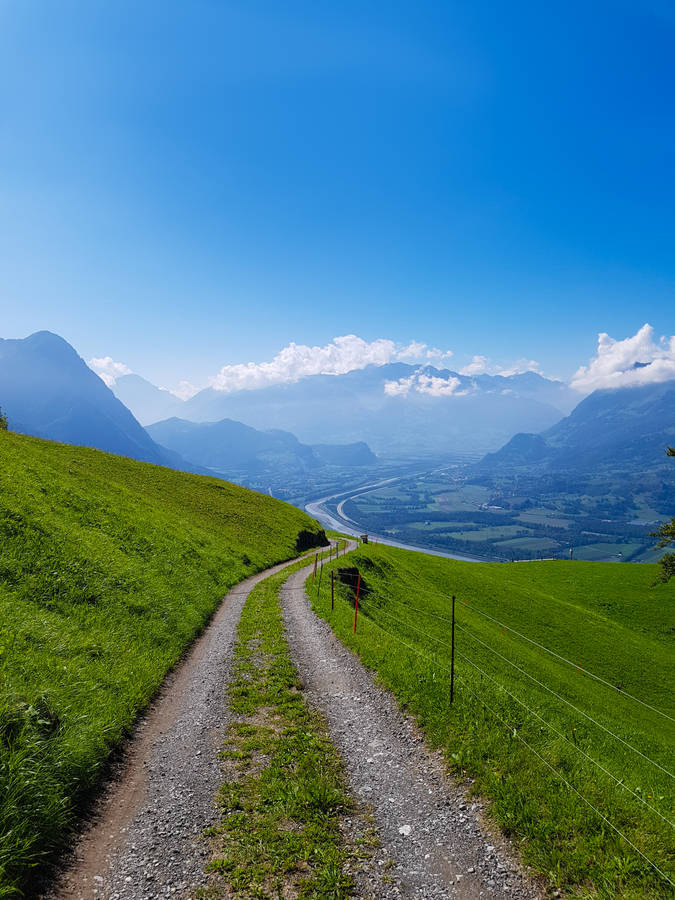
[
  {"x": 625, "y": 427},
  {"x": 47, "y": 390},
  {"x": 109, "y": 568},
  {"x": 229, "y": 445},
  {"x": 147, "y": 402},
  {"x": 232, "y": 448}
]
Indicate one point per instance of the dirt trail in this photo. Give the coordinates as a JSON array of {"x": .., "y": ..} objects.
[
  {"x": 145, "y": 840},
  {"x": 145, "y": 837},
  {"x": 434, "y": 842}
]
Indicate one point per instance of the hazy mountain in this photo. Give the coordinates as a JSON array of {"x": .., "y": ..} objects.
[
  {"x": 345, "y": 455},
  {"x": 623, "y": 428},
  {"x": 481, "y": 414},
  {"x": 147, "y": 402},
  {"x": 47, "y": 390},
  {"x": 232, "y": 448}
]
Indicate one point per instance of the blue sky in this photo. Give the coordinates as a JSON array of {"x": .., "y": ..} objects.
[{"x": 189, "y": 185}]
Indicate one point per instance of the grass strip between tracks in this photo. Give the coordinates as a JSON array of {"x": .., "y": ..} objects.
[{"x": 284, "y": 800}]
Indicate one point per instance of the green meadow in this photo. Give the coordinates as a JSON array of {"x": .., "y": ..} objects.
[
  {"x": 109, "y": 568},
  {"x": 578, "y": 766}
]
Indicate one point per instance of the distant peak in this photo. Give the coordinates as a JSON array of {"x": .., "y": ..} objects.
[
  {"x": 49, "y": 344},
  {"x": 46, "y": 337}
]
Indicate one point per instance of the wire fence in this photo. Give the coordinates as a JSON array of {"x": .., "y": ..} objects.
[
  {"x": 375, "y": 613},
  {"x": 616, "y": 688}
]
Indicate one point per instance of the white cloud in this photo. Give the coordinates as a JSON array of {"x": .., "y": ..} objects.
[
  {"x": 184, "y": 391},
  {"x": 414, "y": 351},
  {"x": 418, "y": 352},
  {"x": 421, "y": 383},
  {"x": 107, "y": 369},
  {"x": 520, "y": 366},
  {"x": 438, "y": 387},
  {"x": 483, "y": 365},
  {"x": 343, "y": 354},
  {"x": 635, "y": 360},
  {"x": 400, "y": 388},
  {"x": 479, "y": 365}
]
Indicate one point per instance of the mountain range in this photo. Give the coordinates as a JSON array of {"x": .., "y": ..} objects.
[
  {"x": 234, "y": 449},
  {"x": 388, "y": 407},
  {"x": 47, "y": 390}
]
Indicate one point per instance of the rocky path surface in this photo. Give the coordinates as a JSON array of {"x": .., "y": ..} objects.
[
  {"x": 434, "y": 842},
  {"x": 145, "y": 838}
]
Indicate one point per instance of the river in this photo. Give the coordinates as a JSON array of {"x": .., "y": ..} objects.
[{"x": 344, "y": 524}]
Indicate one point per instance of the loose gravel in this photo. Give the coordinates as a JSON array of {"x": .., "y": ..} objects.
[
  {"x": 434, "y": 841},
  {"x": 145, "y": 840}
]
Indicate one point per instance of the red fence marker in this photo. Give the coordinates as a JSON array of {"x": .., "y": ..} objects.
[{"x": 356, "y": 605}]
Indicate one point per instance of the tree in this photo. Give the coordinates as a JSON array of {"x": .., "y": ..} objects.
[
  {"x": 666, "y": 536},
  {"x": 3, "y": 422}
]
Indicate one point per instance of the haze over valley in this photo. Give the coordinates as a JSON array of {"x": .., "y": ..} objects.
[{"x": 492, "y": 465}]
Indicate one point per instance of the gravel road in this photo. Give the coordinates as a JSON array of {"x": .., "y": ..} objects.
[
  {"x": 145, "y": 837},
  {"x": 434, "y": 841}
]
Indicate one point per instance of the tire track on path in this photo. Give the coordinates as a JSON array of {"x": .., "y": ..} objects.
[
  {"x": 434, "y": 843},
  {"x": 145, "y": 837}
]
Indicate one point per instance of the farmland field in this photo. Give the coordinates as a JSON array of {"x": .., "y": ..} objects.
[
  {"x": 108, "y": 569},
  {"x": 498, "y": 523},
  {"x": 564, "y": 711}
]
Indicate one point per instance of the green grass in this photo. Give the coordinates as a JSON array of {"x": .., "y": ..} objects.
[
  {"x": 284, "y": 798},
  {"x": 533, "y": 544},
  {"x": 108, "y": 570},
  {"x": 601, "y": 550},
  {"x": 493, "y": 533},
  {"x": 612, "y": 620}
]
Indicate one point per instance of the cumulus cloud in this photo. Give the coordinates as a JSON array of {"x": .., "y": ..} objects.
[
  {"x": 400, "y": 388},
  {"x": 636, "y": 360},
  {"x": 479, "y": 365},
  {"x": 343, "y": 354},
  {"x": 421, "y": 383},
  {"x": 417, "y": 351},
  {"x": 107, "y": 369}
]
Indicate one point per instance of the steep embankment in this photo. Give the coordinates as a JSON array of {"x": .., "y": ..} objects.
[{"x": 108, "y": 569}]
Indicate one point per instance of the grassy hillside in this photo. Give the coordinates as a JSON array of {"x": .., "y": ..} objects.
[
  {"x": 108, "y": 569},
  {"x": 542, "y": 738}
]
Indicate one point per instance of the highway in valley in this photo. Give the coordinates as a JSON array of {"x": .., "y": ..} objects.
[{"x": 339, "y": 521}]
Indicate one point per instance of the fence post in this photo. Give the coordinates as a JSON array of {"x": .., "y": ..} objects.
[
  {"x": 356, "y": 605},
  {"x": 332, "y": 589},
  {"x": 316, "y": 558},
  {"x": 452, "y": 654},
  {"x": 318, "y": 587}
]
